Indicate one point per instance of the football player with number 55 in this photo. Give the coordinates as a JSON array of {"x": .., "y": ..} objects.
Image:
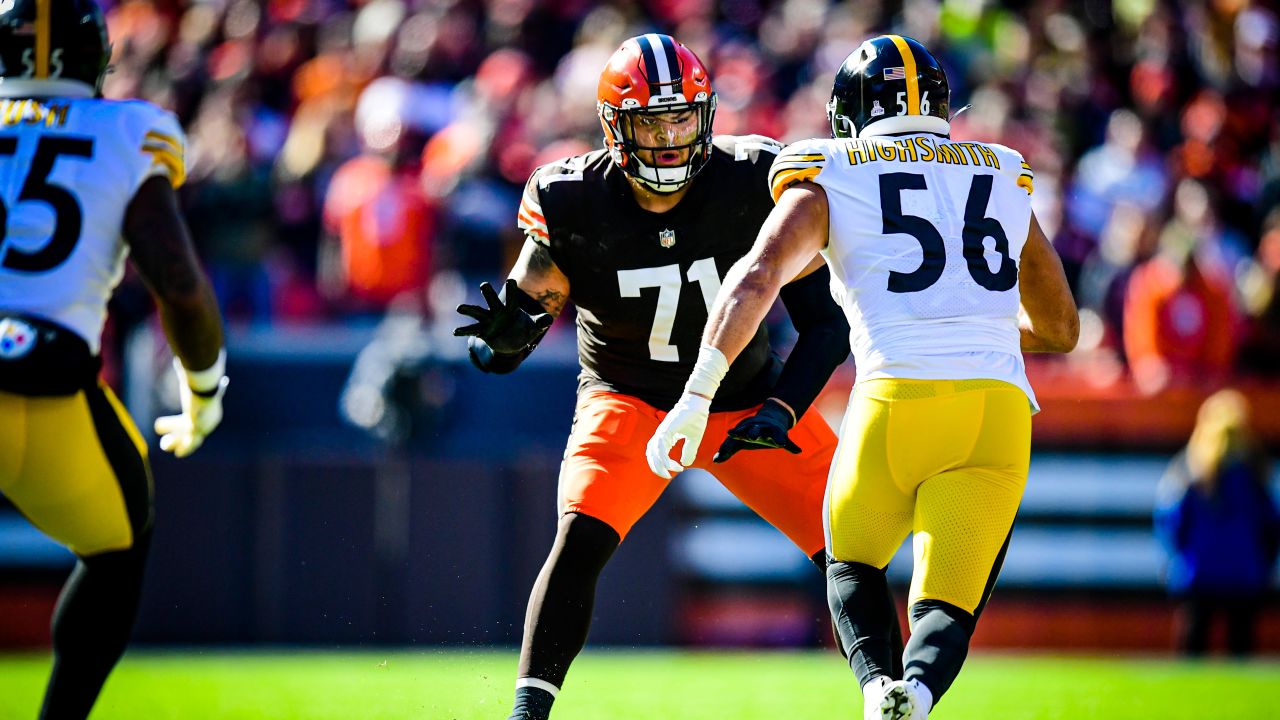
[
  {"x": 85, "y": 182},
  {"x": 639, "y": 235}
]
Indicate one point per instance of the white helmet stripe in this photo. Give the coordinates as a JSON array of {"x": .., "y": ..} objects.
[{"x": 660, "y": 63}]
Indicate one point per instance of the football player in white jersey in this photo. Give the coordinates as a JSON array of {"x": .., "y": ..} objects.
[
  {"x": 85, "y": 182},
  {"x": 946, "y": 278}
]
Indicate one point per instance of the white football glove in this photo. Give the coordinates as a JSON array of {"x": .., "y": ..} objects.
[
  {"x": 687, "y": 421},
  {"x": 201, "y": 408}
]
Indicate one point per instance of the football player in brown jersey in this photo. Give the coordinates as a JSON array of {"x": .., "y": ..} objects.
[{"x": 639, "y": 235}]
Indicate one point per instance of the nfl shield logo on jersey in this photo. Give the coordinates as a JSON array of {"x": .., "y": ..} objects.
[
  {"x": 16, "y": 338},
  {"x": 667, "y": 238}
]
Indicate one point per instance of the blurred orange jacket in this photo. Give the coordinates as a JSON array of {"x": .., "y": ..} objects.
[
  {"x": 385, "y": 226},
  {"x": 1183, "y": 318}
]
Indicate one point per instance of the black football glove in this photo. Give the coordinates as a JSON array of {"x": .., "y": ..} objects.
[
  {"x": 765, "y": 430},
  {"x": 505, "y": 327}
]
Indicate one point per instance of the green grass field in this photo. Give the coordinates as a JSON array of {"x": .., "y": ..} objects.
[{"x": 459, "y": 685}]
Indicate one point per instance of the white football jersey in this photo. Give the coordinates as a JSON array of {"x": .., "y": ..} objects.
[
  {"x": 69, "y": 168},
  {"x": 924, "y": 242}
]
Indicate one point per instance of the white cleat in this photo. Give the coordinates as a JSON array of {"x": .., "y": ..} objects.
[
  {"x": 872, "y": 695},
  {"x": 904, "y": 701}
]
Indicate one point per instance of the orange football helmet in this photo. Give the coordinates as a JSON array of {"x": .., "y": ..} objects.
[{"x": 651, "y": 74}]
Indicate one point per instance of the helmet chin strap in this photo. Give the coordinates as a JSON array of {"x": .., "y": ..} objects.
[{"x": 662, "y": 180}]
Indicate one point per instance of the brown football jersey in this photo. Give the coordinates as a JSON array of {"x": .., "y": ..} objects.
[{"x": 643, "y": 282}]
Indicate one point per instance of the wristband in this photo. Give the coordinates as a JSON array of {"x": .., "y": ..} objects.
[
  {"x": 708, "y": 371},
  {"x": 204, "y": 382}
]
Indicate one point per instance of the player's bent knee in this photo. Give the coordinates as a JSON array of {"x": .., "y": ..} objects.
[
  {"x": 961, "y": 617},
  {"x": 588, "y": 527},
  {"x": 584, "y": 543}
]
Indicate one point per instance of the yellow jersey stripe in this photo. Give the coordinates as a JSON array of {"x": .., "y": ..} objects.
[
  {"x": 159, "y": 147},
  {"x": 795, "y": 158},
  {"x": 1024, "y": 182},
  {"x": 909, "y": 67},
  {"x": 42, "y": 39},
  {"x": 159, "y": 137},
  {"x": 788, "y": 163},
  {"x": 780, "y": 172},
  {"x": 172, "y": 163},
  {"x": 787, "y": 178}
]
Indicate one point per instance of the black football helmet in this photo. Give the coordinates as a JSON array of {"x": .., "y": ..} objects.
[
  {"x": 890, "y": 84},
  {"x": 52, "y": 48}
]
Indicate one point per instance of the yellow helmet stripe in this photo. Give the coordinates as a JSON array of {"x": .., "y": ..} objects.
[
  {"x": 909, "y": 67},
  {"x": 42, "y": 39}
]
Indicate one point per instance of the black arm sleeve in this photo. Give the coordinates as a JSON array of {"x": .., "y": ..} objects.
[
  {"x": 484, "y": 358},
  {"x": 822, "y": 344}
]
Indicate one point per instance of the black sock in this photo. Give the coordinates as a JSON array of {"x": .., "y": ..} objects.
[
  {"x": 531, "y": 704},
  {"x": 91, "y": 626},
  {"x": 865, "y": 619},
  {"x": 939, "y": 642},
  {"x": 560, "y": 605}
]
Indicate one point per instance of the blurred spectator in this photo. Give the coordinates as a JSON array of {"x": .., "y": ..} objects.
[
  {"x": 1218, "y": 522},
  {"x": 1128, "y": 239},
  {"x": 1113, "y": 104},
  {"x": 1260, "y": 288},
  {"x": 1124, "y": 168},
  {"x": 381, "y": 224},
  {"x": 1181, "y": 322},
  {"x": 229, "y": 201}
]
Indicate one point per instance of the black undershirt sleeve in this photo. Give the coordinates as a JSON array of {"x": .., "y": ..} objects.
[{"x": 822, "y": 342}]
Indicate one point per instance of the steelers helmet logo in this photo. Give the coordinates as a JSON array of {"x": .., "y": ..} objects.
[{"x": 16, "y": 338}]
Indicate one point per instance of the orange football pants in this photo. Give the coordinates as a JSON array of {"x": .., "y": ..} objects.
[{"x": 605, "y": 475}]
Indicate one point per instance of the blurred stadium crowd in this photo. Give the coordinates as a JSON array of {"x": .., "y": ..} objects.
[{"x": 345, "y": 153}]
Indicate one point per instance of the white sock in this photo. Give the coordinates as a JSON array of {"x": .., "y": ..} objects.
[
  {"x": 872, "y": 694},
  {"x": 922, "y": 694},
  {"x": 540, "y": 684}
]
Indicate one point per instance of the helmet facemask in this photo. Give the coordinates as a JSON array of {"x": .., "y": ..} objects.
[{"x": 624, "y": 125}]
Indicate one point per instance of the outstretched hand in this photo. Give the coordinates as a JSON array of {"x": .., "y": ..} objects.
[
  {"x": 504, "y": 326},
  {"x": 765, "y": 430}
]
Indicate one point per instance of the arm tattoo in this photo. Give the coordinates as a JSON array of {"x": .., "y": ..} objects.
[
  {"x": 552, "y": 300},
  {"x": 540, "y": 263}
]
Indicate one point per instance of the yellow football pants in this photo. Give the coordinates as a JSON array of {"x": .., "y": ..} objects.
[
  {"x": 76, "y": 467},
  {"x": 945, "y": 460}
]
